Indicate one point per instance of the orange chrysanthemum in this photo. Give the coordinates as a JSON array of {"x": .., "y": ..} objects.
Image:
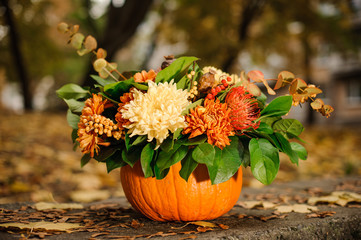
[
  {"x": 92, "y": 126},
  {"x": 145, "y": 76},
  {"x": 213, "y": 120},
  {"x": 125, "y": 99},
  {"x": 244, "y": 109}
]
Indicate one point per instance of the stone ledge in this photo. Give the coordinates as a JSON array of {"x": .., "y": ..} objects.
[{"x": 344, "y": 224}]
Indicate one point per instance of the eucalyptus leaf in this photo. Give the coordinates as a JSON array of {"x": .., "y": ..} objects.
[
  {"x": 226, "y": 162},
  {"x": 72, "y": 119},
  {"x": 204, "y": 153},
  {"x": 146, "y": 158},
  {"x": 278, "y": 107},
  {"x": 264, "y": 160},
  {"x": 177, "y": 66},
  {"x": 72, "y": 91}
]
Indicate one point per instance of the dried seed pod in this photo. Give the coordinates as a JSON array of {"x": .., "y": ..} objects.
[
  {"x": 168, "y": 60},
  {"x": 206, "y": 82}
]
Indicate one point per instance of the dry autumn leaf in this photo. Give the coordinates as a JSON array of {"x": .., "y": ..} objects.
[
  {"x": 298, "y": 208},
  {"x": 340, "y": 198},
  {"x": 256, "y": 204},
  {"x": 321, "y": 214},
  {"x": 46, "y": 205},
  {"x": 36, "y": 226}
]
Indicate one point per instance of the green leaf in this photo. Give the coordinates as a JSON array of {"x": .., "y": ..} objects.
[
  {"x": 167, "y": 145},
  {"x": 102, "y": 81},
  {"x": 181, "y": 84},
  {"x": 204, "y": 153},
  {"x": 139, "y": 140},
  {"x": 146, "y": 158},
  {"x": 72, "y": 91},
  {"x": 278, "y": 107},
  {"x": 132, "y": 156},
  {"x": 177, "y": 66},
  {"x": 74, "y": 105},
  {"x": 300, "y": 150},
  {"x": 195, "y": 141},
  {"x": 115, "y": 161},
  {"x": 270, "y": 120},
  {"x": 160, "y": 174},
  {"x": 140, "y": 86},
  {"x": 264, "y": 128},
  {"x": 104, "y": 153},
  {"x": 289, "y": 128},
  {"x": 261, "y": 99},
  {"x": 85, "y": 159},
  {"x": 264, "y": 160},
  {"x": 74, "y": 135},
  {"x": 72, "y": 119},
  {"x": 226, "y": 162},
  {"x": 127, "y": 141},
  {"x": 192, "y": 105},
  {"x": 286, "y": 148},
  {"x": 115, "y": 90},
  {"x": 167, "y": 159},
  {"x": 188, "y": 166}
]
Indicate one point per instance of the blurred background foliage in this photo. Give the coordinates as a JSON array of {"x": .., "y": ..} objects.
[{"x": 318, "y": 40}]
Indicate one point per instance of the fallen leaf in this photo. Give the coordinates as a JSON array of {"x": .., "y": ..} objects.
[
  {"x": 299, "y": 208},
  {"x": 41, "y": 225},
  {"x": 204, "y": 229},
  {"x": 256, "y": 204},
  {"x": 46, "y": 205},
  {"x": 273, "y": 216},
  {"x": 339, "y": 197},
  {"x": 241, "y": 216},
  {"x": 321, "y": 214},
  {"x": 203, "y": 224},
  {"x": 225, "y": 227},
  {"x": 89, "y": 195},
  {"x": 135, "y": 224}
]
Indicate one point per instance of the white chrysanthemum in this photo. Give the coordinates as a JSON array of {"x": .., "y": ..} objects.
[
  {"x": 219, "y": 75},
  {"x": 157, "y": 111}
]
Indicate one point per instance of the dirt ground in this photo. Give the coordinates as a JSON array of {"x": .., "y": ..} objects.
[{"x": 37, "y": 161}]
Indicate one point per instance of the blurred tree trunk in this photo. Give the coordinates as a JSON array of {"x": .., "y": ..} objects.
[
  {"x": 307, "y": 51},
  {"x": 17, "y": 56},
  {"x": 121, "y": 25},
  {"x": 251, "y": 10}
]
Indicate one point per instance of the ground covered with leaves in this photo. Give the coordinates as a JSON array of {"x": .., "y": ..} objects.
[{"x": 37, "y": 161}]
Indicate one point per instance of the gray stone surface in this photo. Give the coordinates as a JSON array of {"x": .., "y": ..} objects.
[{"x": 344, "y": 224}]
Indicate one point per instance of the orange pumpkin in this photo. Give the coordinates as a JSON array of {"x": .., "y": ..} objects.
[{"x": 174, "y": 199}]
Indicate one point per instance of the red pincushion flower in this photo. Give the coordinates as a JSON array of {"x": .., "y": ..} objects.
[{"x": 244, "y": 109}]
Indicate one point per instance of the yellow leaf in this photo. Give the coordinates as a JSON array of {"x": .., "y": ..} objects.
[
  {"x": 46, "y": 205},
  {"x": 299, "y": 208},
  {"x": 203, "y": 224},
  {"x": 42, "y": 225}
]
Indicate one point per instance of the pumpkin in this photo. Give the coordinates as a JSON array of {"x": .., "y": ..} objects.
[{"x": 174, "y": 199}]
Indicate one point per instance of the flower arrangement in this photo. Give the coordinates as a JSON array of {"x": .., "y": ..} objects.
[{"x": 184, "y": 113}]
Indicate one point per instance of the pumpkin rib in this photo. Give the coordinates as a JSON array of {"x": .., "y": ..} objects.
[{"x": 174, "y": 199}]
